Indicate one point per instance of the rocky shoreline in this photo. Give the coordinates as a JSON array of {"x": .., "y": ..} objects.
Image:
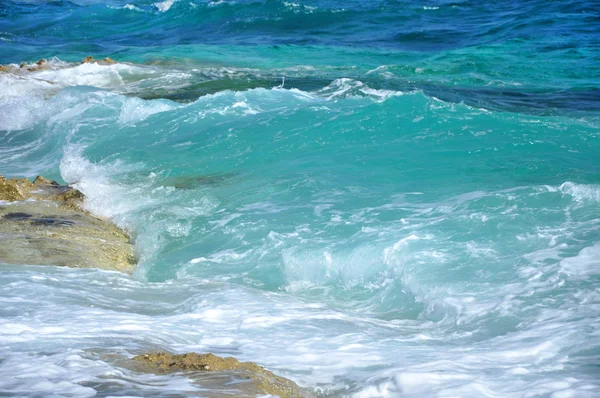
[
  {"x": 43, "y": 63},
  {"x": 44, "y": 223}
]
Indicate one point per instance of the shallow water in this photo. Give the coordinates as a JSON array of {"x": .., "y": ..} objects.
[{"x": 370, "y": 198}]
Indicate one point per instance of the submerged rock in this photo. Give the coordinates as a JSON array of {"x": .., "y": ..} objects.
[
  {"x": 193, "y": 182},
  {"x": 41, "y": 64},
  {"x": 43, "y": 223},
  {"x": 262, "y": 381},
  {"x": 25, "y": 67}
]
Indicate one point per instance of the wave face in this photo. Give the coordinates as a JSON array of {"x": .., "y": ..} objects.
[{"x": 373, "y": 199}]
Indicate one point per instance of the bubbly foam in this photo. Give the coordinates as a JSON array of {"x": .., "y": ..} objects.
[
  {"x": 581, "y": 192},
  {"x": 348, "y": 88},
  {"x": 164, "y": 6}
]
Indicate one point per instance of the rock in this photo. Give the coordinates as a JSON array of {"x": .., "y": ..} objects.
[
  {"x": 44, "y": 224},
  {"x": 41, "y": 64},
  {"x": 90, "y": 60},
  {"x": 9, "y": 190},
  {"x": 108, "y": 61},
  {"x": 3, "y": 69},
  {"x": 39, "y": 180},
  {"x": 264, "y": 381}
]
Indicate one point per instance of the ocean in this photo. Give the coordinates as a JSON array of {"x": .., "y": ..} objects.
[{"x": 377, "y": 198}]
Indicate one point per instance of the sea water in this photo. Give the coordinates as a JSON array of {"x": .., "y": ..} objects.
[{"x": 371, "y": 198}]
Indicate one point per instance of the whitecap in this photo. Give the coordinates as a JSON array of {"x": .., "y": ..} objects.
[{"x": 164, "y": 6}]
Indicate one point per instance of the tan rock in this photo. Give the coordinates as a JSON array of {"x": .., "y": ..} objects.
[
  {"x": 53, "y": 229},
  {"x": 264, "y": 381},
  {"x": 90, "y": 60},
  {"x": 3, "y": 69},
  {"x": 9, "y": 190},
  {"x": 39, "y": 180},
  {"x": 41, "y": 64},
  {"x": 108, "y": 61}
]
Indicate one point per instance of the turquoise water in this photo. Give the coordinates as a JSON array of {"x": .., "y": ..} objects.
[{"x": 377, "y": 198}]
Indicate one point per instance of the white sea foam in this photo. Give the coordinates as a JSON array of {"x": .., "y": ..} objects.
[
  {"x": 581, "y": 192},
  {"x": 12, "y": 86},
  {"x": 135, "y": 110},
  {"x": 22, "y": 113},
  {"x": 164, "y": 6},
  {"x": 113, "y": 76},
  {"x": 93, "y": 313},
  {"x": 585, "y": 264},
  {"x": 348, "y": 88},
  {"x": 299, "y": 8},
  {"x": 119, "y": 77},
  {"x": 130, "y": 7}
]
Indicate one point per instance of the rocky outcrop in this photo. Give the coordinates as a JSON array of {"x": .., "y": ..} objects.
[
  {"x": 38, "y": 65},
  {"x": 43, "y": 223},
  {"x": 41, "y": 64},
  {"x": 262, "y": 381},
  {"x": 108, "y": 61},
  {"x": 90, "y": 60},
  {"x": 24, "y": 66},
  {"x": 44, "y": 64}
]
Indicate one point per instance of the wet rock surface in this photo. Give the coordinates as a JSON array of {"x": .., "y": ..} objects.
[
  {"x": 258, "y": 379},
  {"x": 43, "y": 223},
  {"x": 90, "y": 60}
]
